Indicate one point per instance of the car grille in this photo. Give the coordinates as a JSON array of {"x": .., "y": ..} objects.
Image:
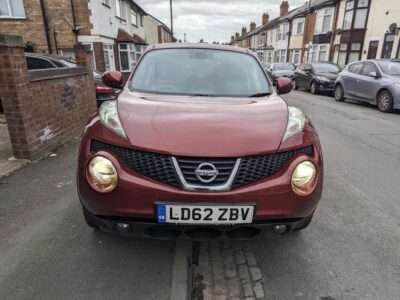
[
  {"x": 255, "y": 168},
  {"x": 223, "y": 165},
  {"x": 152, "y": 165},
  {"x": 160, "y": 167}
]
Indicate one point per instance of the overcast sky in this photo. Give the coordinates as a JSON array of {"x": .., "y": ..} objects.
[{"x": 213, "y": 20}]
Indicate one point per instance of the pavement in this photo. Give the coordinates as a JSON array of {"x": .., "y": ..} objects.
[{"x": 351, "y": 250}]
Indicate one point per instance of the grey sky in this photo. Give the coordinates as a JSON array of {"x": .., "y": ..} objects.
[{"x": 213, "y": 20}]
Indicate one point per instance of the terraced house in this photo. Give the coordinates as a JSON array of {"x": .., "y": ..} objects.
[
  {"x": 340, "y": 31},
  {"x": 117, "y": 31}
]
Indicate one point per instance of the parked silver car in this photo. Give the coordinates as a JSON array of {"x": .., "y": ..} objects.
[{"x": 373, "y": 81}]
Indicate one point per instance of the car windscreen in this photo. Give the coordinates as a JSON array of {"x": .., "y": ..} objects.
[
  {"x": 390, "y": 68},
  {"x": 200, "y": 72},
  {"x": 326, "y": 68},
  {"x": 283, "y": 67}
]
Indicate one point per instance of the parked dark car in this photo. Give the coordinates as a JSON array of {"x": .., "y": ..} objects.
[
  {"x": 279, "y": 70},
  {"x": 41, "y": 61},
  {"x": 199, "y": 146},
  {"x": 317, "y": 77},
  {"x": 374, "y": 81}
]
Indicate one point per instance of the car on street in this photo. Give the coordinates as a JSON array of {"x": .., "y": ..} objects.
[
  {"x": 42, "y": 61},
  {"x": 199, "y": 145},
  {"x": 373, "y": 81},
  {"x": 317, "y": 77},
  {"x": 279, "y": 70}
]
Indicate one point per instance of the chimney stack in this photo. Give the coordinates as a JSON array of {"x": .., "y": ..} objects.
[
  {"x": 265, "y": 18},
  {"x": 237, "y": 35},
  {"x": 284, "y": 8},
  {"x": 253, "y": 26},
  {"x": 244, "y": 31},
  {"x": 232, "y": 38}
]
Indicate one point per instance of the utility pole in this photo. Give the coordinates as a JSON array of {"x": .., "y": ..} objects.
[{"x": 172, "y": 23}]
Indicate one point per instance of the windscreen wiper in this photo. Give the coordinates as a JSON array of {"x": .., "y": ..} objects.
[{"x": 259, "y": 95}]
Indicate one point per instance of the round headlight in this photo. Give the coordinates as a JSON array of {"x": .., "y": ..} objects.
[
  {"x": 102, "y": 175},
  {"x": 303, "y": 178}
]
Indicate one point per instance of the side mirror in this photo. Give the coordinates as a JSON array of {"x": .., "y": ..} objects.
[
  {"x": 113, "y": 79},
  {"x": 374, "y": 75},
  {"x": 284, "y": 85}
]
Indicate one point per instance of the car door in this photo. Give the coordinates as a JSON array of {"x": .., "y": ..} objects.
[
  {"x": 303, "y": 76},
  {"x": 369, "y": 82},
  {"x": 350, "y": 78}
]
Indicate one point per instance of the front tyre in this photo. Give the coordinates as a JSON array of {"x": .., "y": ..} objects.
[
  {"x": 339, "y": 93},
  {"x": 314, "y": 88},
  {"x": 385, "y": 101}
]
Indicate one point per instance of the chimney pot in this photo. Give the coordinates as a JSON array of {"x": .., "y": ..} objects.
[
  {"x": 265, "y": 18},
  {"x": 244, "y": 31},
  {"x": 253, "y": 26},
  {"x": 284, "y": 8}
]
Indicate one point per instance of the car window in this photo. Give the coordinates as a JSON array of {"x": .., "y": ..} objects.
[
  {"x": 283, "y": 67},
  {"x": 390, "y": 67},
  {"x": 35, "y": 63},
  {"x": 326, "y": 68},
  {"x": 200, "y": 72},
  {"x": 368, "y": 69},
  {"x": 355, "y": 68}
]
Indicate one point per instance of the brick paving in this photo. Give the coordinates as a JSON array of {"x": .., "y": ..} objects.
[{"x": 228, "y": 271}]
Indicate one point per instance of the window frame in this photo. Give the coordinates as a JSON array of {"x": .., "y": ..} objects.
[
  {"x": 321, "y": 15},
  {"x": 11, "y": 14},
  {"x": 133, "y": 13},
  {"x": 134, "y": 55}
]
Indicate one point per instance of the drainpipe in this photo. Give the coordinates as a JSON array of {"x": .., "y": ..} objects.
[
  {"x": 74, "y": 30},
  {"x": 46, "y": 26}
]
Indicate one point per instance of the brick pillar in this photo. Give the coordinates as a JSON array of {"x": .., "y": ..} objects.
[
  {"x": 13, "y": 87},
  {"x": 83, "y": 56}
]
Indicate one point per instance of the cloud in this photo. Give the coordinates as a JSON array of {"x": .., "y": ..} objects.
[{"x": 212, "y": 20}]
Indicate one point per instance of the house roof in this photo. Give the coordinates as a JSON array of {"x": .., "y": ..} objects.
[
  {"x": 298, "y": 11},
  {"x": 124, "y": 37}
]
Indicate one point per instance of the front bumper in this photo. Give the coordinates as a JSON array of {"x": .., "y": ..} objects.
[
  {"x": 326, "y": 86},
  {"x": 152, "y": 230},
  {"x": 135, "y": 197}
]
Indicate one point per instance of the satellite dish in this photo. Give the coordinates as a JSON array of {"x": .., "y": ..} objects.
[{"x": 393, "y": 27}]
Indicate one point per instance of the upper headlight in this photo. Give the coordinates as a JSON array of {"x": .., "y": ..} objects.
[
  {"x": 109, "y": 117},
  {"x": 322, "y": 78},
  {"x": 296, "y": 122}
]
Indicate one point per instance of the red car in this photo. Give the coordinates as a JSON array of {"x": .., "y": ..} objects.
[{"x": 199, "y": 146}]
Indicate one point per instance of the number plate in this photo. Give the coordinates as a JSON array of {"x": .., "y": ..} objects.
[{"x": 205, "y": 214}]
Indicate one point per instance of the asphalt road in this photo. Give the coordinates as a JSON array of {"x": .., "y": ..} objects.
[
  {"x": 48, "y": 252},
  {"x": 352, "y": 249}
]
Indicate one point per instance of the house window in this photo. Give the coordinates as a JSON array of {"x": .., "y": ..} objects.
[
  {"x": 298, "y": 26},
  {"x": 280, "y": 56},
  {"x": 357, "y": 11},
  {"x": 318, "y": 53},
  {"x": 324, "y": 20},
  {"x": 12, "y": 8},
  {"x": 294, "y": 56},
  {"x": 109, "y": 63},
  {"x": 134, "y": 18},
  {"x": 121, "y": 10},
  {"x": 129, "y": 54}
]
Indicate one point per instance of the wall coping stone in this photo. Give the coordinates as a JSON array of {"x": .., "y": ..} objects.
[{"x": 57, "y": 73}]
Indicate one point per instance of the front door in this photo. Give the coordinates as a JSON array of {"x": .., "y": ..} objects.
[
  {"x": 368, "y": 84},
  {"x": 373, "y": 49}
]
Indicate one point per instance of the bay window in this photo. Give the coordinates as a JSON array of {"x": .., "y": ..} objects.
[
  {"x": 318, "y": 53},
  {"x": 12, "y": 9},
  {"x": 129, "y": 54}
]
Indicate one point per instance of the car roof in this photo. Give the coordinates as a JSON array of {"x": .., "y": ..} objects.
[{"x": 200, "y": 46}]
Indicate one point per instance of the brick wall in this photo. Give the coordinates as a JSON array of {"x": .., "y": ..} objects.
[
  {"x": 60, "y": 21},
  {"x": 31, "y": 28},
  {"x": 83, "y": 14},
  {"x": 43, "y": 108}
]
